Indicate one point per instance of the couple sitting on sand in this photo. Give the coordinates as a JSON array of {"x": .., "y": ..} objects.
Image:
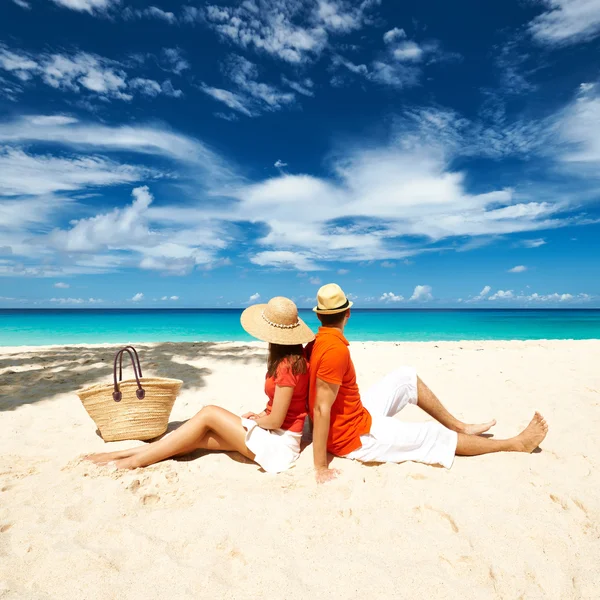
[{"x": 320, "y": 378}]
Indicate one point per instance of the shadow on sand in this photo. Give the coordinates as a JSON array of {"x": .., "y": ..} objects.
[{"x": 32, "y": 375}]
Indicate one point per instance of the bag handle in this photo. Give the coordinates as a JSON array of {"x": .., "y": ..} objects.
[
  {"x": 140, "y": 392},
  {"x": 139, "y": 366}
]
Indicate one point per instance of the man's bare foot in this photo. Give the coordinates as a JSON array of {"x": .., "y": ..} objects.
[
  {"x": 533, "y": 435},
  {"x": 477, "y": 429},
  {"x": 103, "y": 458}
]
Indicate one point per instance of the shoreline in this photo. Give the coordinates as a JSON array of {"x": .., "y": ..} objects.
[{"x": 33, "y": 348}]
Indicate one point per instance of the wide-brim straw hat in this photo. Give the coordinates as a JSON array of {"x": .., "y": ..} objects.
[
  {"x": 331, "y": 300},
  {"x": 276, "y": 322}
]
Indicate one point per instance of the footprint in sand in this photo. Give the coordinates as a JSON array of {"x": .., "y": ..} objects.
[
  {"x": 150, "y": 499},
  {"x": 446, "y": 516},
  {"x": 563, "y": 504},
  {"x": 139, "y": 488},
  {"x": 5, "y": 527}
]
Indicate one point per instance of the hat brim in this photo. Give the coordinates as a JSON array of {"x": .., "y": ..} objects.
[
  {"x": 252, "y": 321},
  {"x": 335, "y": 311}
]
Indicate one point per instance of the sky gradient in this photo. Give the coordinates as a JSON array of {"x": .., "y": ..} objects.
[{"x": 420, "y": 154}]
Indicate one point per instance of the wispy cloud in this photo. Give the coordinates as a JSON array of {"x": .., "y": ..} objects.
[
  {"x": 151, "y": 12},
  {"x": 29, "y": 174},
  {"x": 534, "y": 243},
  {"x": 251, "y": 97},
  {"x": 518, "y": 269},
  {"x": 76, "y": 300},
  {"x": 89, "y": 6},
  {"x": 566, "y": 21},
  {"x": 144, "y": 139},
  {"x": 138, "y": 297}
]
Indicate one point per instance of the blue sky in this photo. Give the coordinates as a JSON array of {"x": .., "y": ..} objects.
[{"x": 213, "y": 154}]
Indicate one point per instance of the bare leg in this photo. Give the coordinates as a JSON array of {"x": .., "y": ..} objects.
[
  {"x": 213, "y": 428},
  {"x": 429, "y": 402},
  {"x": 527, "y": 441}
]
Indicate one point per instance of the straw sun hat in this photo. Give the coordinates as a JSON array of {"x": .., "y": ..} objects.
[
  {"x": 331, "y": 300},
  {"x": 276, "y": 322}
]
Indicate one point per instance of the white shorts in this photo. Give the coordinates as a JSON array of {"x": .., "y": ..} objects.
[
  {"x": 391, "y": 440},
  {"x": 275, "y": 450}
]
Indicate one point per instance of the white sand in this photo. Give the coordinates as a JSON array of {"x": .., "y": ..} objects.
[{"x": 500, "y": 526}]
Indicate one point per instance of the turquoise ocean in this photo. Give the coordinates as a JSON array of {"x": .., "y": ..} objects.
[{"x": 61, "y": 326}]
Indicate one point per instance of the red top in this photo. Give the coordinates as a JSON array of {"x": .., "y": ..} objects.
[
  {"x": 330, "y": 361},
  {"x": 294, "y": 420}
]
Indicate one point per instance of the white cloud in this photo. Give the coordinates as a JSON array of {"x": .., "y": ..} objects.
[
  {"x": 518, "y": 269},
  {"x": 502, "y": 295},
  {"x": 393, "y": 35},
  {"x": 119, "y": 228},
  {"x": 267, "y": 26},
  {"x": 23, "y": 4},
  {"x": 153, "y": 12},
  {"x": 141, "y": 139},
  {"x": 422, "y": 293},
  {"x": 283, "y": 259},
  {"x": 139, "y": 296},
  {"x": 173, "y": 60},
  {"x": 408, "y": 51},
  {"x": 251, "y": 96},
  {"x": 481, "y": 296},
  {"x": 290, "y": 30},
  {"x": 231, "y": 99},
  {"x": 22, "y": 173},
  {"x": 173, "y": 298},
  {"x": 386, "y": 71},
  {"x": 566, "y": 22},
  {"x": 304, "y": 87},
  {"x": 340, "y": 16},
  {"x": 578, "y": 126},
  {"x": 391, "y": 297},
  {"x": 81, "y": 72},
  {"x": 76, "y": 300},
  {"x": 540, "y": 298},
  {"x": 89, "y": 6},
  {"x": 279, "y": 164},
  {"x": 315, "y": 281},
  {"x": 386, "y": 264},
  {"x": 253, "y": 298},
  {"x": 343, "y": 271},
  {"x": 61, "y": 285},
  {"x": 535, "y": 243}
]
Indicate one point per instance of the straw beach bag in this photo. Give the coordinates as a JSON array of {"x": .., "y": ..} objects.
[{"x": 134, "y": 409}]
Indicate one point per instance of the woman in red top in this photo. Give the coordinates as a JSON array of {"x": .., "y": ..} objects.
[{"x": 270, "y": 438}]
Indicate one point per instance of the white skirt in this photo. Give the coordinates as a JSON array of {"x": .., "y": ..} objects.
[{"x": 275, "y": 450}]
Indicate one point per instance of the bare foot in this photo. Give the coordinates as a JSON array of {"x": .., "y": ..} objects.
[
  {"x": 103, "y": 458},
  {"x": 533, "y": 435},
  {"x": 127, "y": 463},
  {"x": 477, "y": 429}
]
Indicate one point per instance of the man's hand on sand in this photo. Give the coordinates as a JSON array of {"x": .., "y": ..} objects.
[{"x": 325, "y": 475}]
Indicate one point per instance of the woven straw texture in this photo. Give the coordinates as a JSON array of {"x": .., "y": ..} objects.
[{"x": 131, "y": 419}]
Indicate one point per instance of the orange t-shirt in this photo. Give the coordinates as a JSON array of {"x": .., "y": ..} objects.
[
  {"x": 296, "y": 414},
  {"x": 330, "y": 361}
]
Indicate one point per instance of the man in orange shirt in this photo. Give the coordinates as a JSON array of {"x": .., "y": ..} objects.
[{"x": 364, "y": 430}]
